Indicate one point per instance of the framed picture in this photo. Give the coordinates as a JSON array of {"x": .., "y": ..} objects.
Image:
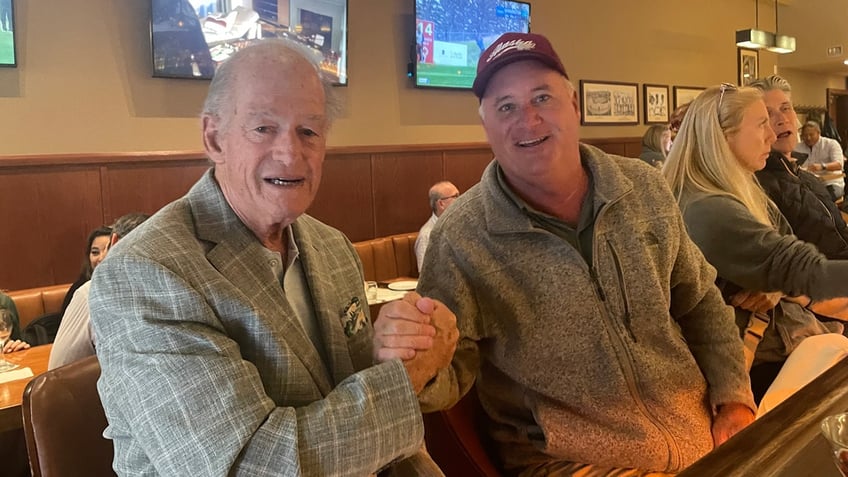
[
  {"x": 655, "y": 98},
  {"x": 609, "y": 103},
  {"x": 685, "y": 94},
  {"x": 748, "y": 66}
]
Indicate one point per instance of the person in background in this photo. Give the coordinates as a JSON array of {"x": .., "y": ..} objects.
[
  {"x": 590, "y": 323},
  {"x": 441, "y": 195},
  {"x": 824, "y": 155},
  {"x": 14, "y": 343},
  {"x": 799, "y": 195},
  {"x": 764, "y": 271},
  {"x": 75, "y": 339},
  {"x": 655, "y": 144},
  {"x": 233, "y": 323},
  {"x": 98, "y": 245}
]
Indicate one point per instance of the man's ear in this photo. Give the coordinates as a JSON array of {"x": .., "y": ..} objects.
[
  {"x": 211, "y": 137},
  {"x": 113, "y": 240}
]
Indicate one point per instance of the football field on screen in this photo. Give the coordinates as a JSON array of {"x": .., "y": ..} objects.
[
  {"x": 7, "y": 48},
  {"x": 447, "y": 76}
]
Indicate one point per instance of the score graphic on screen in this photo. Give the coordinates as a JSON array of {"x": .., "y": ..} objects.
[{"x": 424, "y": 40}]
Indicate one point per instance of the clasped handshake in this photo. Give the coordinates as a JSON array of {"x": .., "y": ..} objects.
[{"x": 420, "y": 331}]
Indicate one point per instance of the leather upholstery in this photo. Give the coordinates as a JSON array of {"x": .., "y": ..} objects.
[
  {"x": 34, "y": 302},
  {"x": 456, "y": 440},
  {"x": 64, "y": 422},
  {"x": 388, "y": 258}
]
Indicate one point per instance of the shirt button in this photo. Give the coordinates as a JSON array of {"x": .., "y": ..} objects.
[{"x": 274, "y": 263}]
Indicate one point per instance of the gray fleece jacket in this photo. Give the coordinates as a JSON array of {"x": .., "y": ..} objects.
[{"x": 620, "y": 364}]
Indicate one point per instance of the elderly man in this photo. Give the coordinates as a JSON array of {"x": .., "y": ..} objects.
[
  {"x": 800, "y": 195},
  {"x": 589, "y": 321},
  {"x": 232, "y": 329},
  {"x": 442, "y": 194},
  {"x": 824, "y": 154},
  {"x": 75, "y": 339}
]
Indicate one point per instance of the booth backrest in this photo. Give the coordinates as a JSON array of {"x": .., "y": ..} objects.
[
  {"x": 388, "y": 258},
  {"x": 34, "y": 302}
]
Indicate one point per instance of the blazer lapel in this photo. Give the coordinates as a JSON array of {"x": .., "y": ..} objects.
[
  {"x": 237, "y": 255},
  {"x": 324, "y": 296}
]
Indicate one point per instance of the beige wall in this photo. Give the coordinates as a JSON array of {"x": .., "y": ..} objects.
[
  {"x": 84, "y": 85},
  {"x": 810, "y": 89}
]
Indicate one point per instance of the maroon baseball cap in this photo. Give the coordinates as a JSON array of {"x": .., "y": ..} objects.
[{"x": 512, "y": 47}]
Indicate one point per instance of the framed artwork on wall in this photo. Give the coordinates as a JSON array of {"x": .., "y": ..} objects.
[
  {"x": 685, "y": 94},
  {"x": 608, "y": 103},
  {"x": 655, "y": 98},
  {"x": 748, "y": 65},
  {"x": 7, "y": 34}
]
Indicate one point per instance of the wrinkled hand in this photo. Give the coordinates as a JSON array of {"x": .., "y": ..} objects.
[
  {"x": 15, "y": 345},
  {"x": 757, "y": 302},
  {"x": 420, "y": 331},
  {"x": 730, "y": 419}
]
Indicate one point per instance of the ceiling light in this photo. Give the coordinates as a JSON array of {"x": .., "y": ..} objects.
[
  {"x": 755, "y": 39},
  {"x": 782, "y": 43}
]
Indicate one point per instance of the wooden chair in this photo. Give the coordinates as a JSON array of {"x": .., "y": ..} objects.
[
  {"x": 64, "y": 422},
  {"x": 456, "y": 440}
]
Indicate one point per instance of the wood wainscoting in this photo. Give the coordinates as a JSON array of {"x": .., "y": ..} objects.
[{"x": 50, "y": 203}]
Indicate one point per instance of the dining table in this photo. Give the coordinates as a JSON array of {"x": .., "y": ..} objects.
[
  {"x": 787, "y": 441},
  {"x": 12, "y": 392}
]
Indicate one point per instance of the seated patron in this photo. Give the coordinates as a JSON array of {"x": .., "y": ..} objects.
[
  {"x": 441, "y": 195},
  {"x": 75, "y": 340},
  {"x": 799, "y": 195},
  {"x": 655, "y": 144},
  {"x": 724, "y": 139},
  {"x": 825, "y": 155},
  {"x": 232, "y": 328},
  {"x": 589, "y": 321},
  {"x": 14, "y": 343},
  {"x": 98, "y": 245}
]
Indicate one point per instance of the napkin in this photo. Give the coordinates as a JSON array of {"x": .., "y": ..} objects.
[{"x": 15, "y": 374}]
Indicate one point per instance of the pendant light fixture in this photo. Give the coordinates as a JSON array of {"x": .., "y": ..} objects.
[
  {"x": 782, "y": 43},
  {"x": 754, "y": 38}
]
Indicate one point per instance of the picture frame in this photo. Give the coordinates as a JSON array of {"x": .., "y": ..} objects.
[
  {"x": 655, "y": 100},
  {"x": 609, "y": 103},
  {"x": 685, "y": 94},
  {"x": 748, "y": 66}
]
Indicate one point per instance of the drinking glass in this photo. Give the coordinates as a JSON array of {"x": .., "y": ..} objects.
[
  {"x": 371, "y": 291},
  {"x": 5, "y": 333},
  {"x": 835, "y": 430}
]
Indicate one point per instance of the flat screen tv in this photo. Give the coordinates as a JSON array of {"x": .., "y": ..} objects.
[
  {"x": 451, "y": 34},
  {"x": 190, "y": 38},
  {"x": 7, "y": 33}
]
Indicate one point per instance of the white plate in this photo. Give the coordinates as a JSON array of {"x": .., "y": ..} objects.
[{"x": 403, "y": 285}]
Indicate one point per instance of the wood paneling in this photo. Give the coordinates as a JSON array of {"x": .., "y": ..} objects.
[
  {"x": 47, "y": 217},
  {"x": 345, "y": 199},
  {"x": 401, "y": 184},
  {"x": 50, "y": 203},
  {"x": 147, "y": 187}
]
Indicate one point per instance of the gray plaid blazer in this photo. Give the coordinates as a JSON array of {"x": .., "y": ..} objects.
[{"x": 207, "y": 371}]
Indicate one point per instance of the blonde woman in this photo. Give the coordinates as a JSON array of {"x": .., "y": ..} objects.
[{"x": 724, "y": 138}]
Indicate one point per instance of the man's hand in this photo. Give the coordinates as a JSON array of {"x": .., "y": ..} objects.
[
  {"x": 403, "y": 327},
  {"x": 421, "y": 331},
  {"x": 757, "y": 302},
  {"x": 730, "y": 419}
]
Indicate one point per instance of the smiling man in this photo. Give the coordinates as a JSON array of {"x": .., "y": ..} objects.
[
  {"x": 588, "y": 320},
  {"x": 232, "y": 328}
]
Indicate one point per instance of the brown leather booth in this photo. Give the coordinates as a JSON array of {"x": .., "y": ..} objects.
[
  {"x": 388, "y": 258},
  {"x": 34, "y": 302},
  {"x": 64, "y": 422}
]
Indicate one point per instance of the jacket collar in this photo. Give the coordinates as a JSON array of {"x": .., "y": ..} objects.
[{"x": 504, "y": 215}]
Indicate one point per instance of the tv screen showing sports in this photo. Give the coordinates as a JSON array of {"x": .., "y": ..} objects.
[
  {"x": 7, "y": 34},
  {"x": 451, "y": 34},
  {"x": 190, "y": 38}
]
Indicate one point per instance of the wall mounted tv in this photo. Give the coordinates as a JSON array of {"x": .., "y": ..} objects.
[
  {"x": 7, "y": 34},
  {"x": 191, "y": 37},
  {"x": 451, "y": 34}
]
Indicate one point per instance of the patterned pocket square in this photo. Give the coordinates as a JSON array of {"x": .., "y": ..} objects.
[{"x": 353, "y": 317}]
